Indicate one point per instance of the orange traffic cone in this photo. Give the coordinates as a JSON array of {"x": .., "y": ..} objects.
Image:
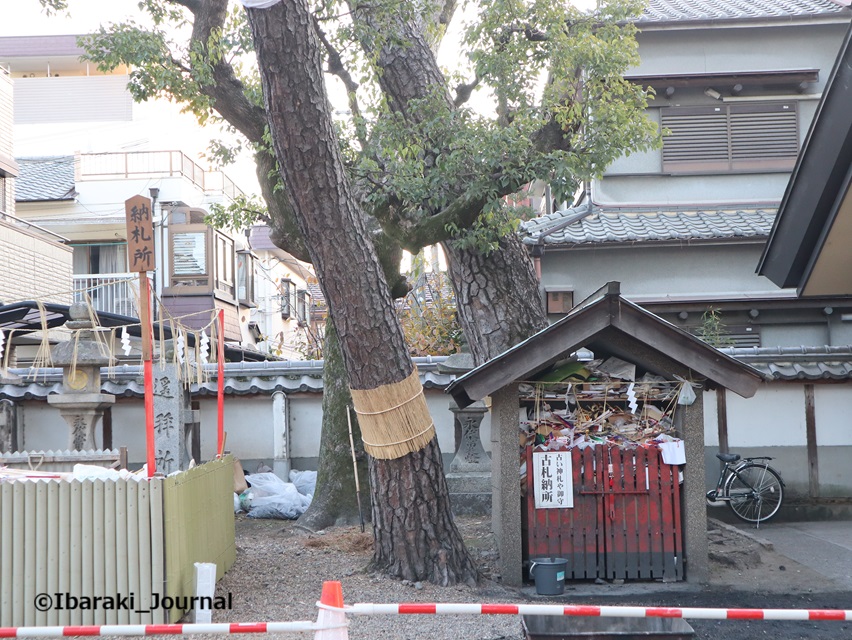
[{"x": 331, "y": 617}]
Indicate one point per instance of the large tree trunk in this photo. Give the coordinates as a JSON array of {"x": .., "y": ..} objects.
[
  {"x": 336, "y": 500},
  {"x": 497, "y": 296},
  {"x": 420, "y": 525}
]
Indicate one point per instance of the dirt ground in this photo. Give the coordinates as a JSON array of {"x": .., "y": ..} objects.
[{"x": 280, "y": 570}]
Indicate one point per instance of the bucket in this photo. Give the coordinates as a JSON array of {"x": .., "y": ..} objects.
[{"x": 549, "y": 575}]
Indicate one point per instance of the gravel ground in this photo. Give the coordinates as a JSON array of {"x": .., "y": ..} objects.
[{"x": 280, "y": 569}]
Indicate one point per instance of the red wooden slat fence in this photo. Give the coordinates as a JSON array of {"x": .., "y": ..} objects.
[{"x": 625, "y": 522}]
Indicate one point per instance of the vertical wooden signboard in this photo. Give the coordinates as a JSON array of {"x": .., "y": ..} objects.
[{"x": 140, "y": 255}]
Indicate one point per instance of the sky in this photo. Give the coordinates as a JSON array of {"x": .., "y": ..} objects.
[{"x": 26, "y": 18}]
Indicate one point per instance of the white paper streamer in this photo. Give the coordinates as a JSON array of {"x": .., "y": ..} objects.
[
  {"x": 204, "y": 347},
  {"x": 631, "y": 399},
  {"x": 125, "y": 341},
  {"x": 180, "y": 343},
  {"x": 2, "y": 346}
]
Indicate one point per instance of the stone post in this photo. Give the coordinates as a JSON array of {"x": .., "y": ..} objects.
[
  {"x": 469, "y": 477},
  {"x": 81, "y": 402},
  {"x": 171, "y": 413}
]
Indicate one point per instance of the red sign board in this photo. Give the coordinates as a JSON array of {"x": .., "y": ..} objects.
[{"x": 140, "y": 234}]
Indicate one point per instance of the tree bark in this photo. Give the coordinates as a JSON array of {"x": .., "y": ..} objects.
[
  {"x": 413, "y": 521},
  {"x": 354, "y": 286},
  {"x": 336, "y": 501},
  {"x": 497, "y": 296}
]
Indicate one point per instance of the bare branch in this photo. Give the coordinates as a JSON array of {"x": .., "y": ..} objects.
[{"x": 337, "y": 68}]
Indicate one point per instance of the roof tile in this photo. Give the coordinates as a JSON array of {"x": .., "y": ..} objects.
[
  {"x": 662, "y": 11},
  {"x": 43, "y": 179},
  {"x": 603, "y": 226}
]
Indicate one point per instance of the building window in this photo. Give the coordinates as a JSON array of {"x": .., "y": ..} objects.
[
  {"x": 303, "y": 307},
  {"x": 730, "y": 137},
  {"x": 190, "y": 254},
  {"x": 225, "y": 265},
  {"x": 100, "y": 258},
  {"x": 245, "y": 278},
  {"x": 287, "y": 295},
  {"x": 560, "y": 302}
]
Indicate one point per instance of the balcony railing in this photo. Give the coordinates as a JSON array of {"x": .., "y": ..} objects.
[
  {"x": 108, "y": 292},
  {"x": 152, "y": 165}
]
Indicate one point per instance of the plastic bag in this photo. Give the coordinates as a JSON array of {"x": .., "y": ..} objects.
[
  {"x": 687, "y": 394},
  {"x": 305, "y": 481},
  {"x": 271, "y": 497}
]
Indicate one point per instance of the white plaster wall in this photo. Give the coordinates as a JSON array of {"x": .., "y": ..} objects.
[
  {"x": 657, "y": 271},
  {"x": 44, "y": 429},
  {"x": 305, "y": 413},
  {"x": 717, "y": 50},
  {"x": 711, "y": 420},
  {"x": 774, "y": 417},
  {"x": 841, "y": 331},
  {"x": 248, "y": 426},
  {"x": 831, "y": 409},
  {"x": 794, "y": 335},
  {"x": 128, "y": 429}
]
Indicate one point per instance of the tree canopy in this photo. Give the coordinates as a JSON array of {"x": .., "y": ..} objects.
[{"x": 427, "y": 167}]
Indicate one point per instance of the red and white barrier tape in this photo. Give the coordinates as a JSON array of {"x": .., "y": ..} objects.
[
  {"x": 433, "y": 609},
  {"x": 599, "y": 611},
  {"x": 157, "y": 629}
]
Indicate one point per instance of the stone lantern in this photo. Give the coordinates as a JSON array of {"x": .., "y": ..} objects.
[
  {"x": 469, "y": 477},
  {"x": 81, "y": 402}
]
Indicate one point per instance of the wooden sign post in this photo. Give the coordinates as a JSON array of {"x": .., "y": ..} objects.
[{"x": 140, "y": 255}]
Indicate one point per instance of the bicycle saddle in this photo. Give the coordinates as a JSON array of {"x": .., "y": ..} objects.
[{"x": 728, "y": 457}]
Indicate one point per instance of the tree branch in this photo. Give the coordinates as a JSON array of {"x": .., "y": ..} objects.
[
  {"x": 227, "y": 90},
  {"x": 193, "y": 5},
  {"x": 337, "y": 68},
  {"x": 464, "y": 90}
]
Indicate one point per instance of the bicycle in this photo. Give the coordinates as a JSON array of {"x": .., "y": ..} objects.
[{"x": 753, "y": 490}]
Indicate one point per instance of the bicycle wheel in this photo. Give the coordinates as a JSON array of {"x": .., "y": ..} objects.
[{"x": 755, "y": 491}]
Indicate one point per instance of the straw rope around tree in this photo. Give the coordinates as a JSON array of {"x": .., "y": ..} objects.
[{"x": 394, "y": 418}]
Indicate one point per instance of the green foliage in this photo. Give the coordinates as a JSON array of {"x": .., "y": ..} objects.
[
  {"x": 163, "y": 67},
  {"x": 52, "y": 7},
  {"x": 241, "y": 213},
  {"x": 564, "y": 111},
  {"x": 550, "y": 66},
  {"x": 712, "y": 329},
  {"x": 428, "y": 317},
  {"x": 159, "y": 68}
]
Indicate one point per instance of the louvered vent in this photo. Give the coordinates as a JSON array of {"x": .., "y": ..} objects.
[{"x": 730, "y": 138}]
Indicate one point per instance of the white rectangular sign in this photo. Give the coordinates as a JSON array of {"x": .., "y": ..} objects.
[{"x": 553, "y": 480}]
